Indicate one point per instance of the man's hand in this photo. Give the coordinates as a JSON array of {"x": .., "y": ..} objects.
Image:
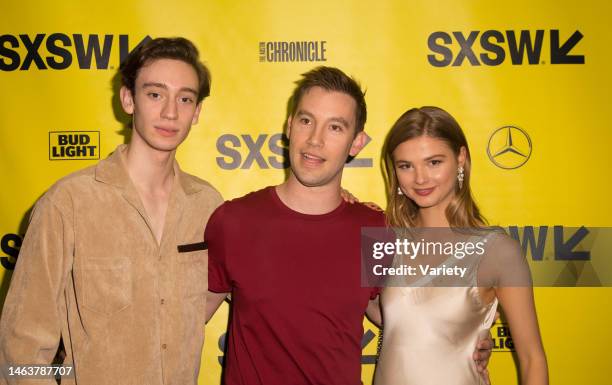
[{"x": 481, "y": 356}]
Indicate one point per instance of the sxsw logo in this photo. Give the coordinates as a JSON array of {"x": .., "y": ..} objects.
[
  {"x": 564, "y": 245},
  {"x": 74, "y": 145},
  {"x": 10, "y": 244},
  {"x": 492, "y": 48},
  {"x": 264, "y": 151},
  {"x": 42, "y": 51}
]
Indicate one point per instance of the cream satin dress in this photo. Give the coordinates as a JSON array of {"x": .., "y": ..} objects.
[{"x": 430, "y": 332}]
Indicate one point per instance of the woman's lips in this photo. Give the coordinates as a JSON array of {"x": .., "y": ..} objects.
[{"x": 424, "y": 192}]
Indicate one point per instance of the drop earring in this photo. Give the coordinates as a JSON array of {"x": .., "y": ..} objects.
[{"x": 460, "y": 176}]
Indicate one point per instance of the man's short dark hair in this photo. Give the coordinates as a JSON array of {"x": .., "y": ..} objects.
[
  {"x": 332, "y": 79},
  {"x": 177, "y": 48}
]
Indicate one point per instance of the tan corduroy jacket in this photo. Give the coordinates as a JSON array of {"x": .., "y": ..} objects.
[{"x": 90, "y": 271}]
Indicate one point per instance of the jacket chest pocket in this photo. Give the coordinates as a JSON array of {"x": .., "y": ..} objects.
[
  {"x": 193, "y": 273},
  {"x": 106, "y": 285}
]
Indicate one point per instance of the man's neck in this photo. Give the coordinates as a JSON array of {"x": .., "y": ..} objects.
[
  {"x": 309, "y": 200},
  {"x": 149, "y": 169}
]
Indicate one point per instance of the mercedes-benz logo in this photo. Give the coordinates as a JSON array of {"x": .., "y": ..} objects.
[{"x": 509, "y": 147}]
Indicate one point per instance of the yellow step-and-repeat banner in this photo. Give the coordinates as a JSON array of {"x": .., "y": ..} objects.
[{"x": 528, "y": 81}]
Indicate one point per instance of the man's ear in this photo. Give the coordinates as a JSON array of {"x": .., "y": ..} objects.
[
  {"x": 358, "y": 143},
  {"x": 196, "y": 114},
  {"x": 289, "y": 120},
  {"x": 127, "y": 100}
]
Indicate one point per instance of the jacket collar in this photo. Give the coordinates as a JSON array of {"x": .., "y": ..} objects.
[{"x": 113, "y": 171}]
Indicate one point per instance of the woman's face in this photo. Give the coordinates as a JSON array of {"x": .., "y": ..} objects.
[{"x": 426, "y": 170}]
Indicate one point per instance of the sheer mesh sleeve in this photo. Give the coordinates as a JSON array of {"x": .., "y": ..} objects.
[{"x": 503, "y": 264}]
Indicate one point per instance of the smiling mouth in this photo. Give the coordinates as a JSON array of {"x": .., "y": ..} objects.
[
  {"x": 424, "y": 192},
  {"x": 312, "y": 158}
]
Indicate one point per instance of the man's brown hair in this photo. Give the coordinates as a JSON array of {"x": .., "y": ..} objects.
[
  {"x": 177, "y": 48},
  {"x": 332, "y": 79}
]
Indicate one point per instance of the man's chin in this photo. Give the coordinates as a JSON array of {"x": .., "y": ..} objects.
[
  {"x": 165, "y": 146},
  {"x": 313, "y": 181}
]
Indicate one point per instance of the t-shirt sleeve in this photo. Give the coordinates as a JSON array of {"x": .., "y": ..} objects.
[{"x": 219, "y": 280}]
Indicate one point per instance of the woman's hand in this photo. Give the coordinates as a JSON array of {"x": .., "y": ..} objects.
[{"x": 350, "y": 198}]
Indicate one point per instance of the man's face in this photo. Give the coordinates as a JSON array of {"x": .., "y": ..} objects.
[
  {"x": 321, "y": 136},
  {"x": 164, "y": 104}
]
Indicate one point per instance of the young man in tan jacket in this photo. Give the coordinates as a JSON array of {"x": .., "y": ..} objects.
[{"x": 100, "y": 267}]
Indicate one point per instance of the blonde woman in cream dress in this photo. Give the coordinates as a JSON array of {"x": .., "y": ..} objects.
[{"x": 432, "y": 324}]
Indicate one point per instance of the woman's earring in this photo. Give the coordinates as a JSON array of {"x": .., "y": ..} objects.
[
  {"x": 460, "y": 176},
  {"x": 399, "y": 191}
]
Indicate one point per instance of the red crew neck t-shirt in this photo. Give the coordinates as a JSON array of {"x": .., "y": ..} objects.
[{"x": 297, "y": 301}]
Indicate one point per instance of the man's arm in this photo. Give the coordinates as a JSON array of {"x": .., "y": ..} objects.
[
  {"x": 213, "y": 301},
  {"x": 30, "y": 326},
  {"x": 219, "y": 281}
]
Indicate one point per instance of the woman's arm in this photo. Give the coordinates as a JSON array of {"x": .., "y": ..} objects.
[
  {"x": 373, "y": 311},
  {"x": 505, "y": 269},
  {"x": 519, "y": 308}
]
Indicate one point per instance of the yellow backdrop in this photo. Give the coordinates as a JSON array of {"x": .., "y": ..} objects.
[{"x": 540, "y": 67}]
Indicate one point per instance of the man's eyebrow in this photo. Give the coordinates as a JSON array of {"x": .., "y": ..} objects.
[
  {"x": 341, "y": 120},
  {"x": 189, "y": 89},
  {"x": 303, "y": 112},
  {"x": 165, "y": 87},
  {"x": 154, "y": 84},
  {"x": 338, "y": 119}
]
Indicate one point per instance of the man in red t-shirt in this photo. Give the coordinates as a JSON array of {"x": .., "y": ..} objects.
[{"x": 290, "y": 254}]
